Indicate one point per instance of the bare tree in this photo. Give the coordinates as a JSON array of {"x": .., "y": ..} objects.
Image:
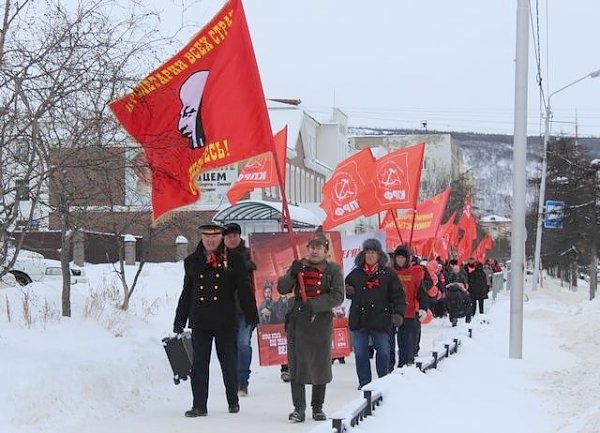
[{"x": 55, "y": 86}]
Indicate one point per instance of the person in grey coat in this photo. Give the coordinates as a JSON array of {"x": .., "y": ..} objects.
[{"x": 309, "y": 325}]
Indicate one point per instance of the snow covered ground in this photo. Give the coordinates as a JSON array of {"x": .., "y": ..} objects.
[{"x": 105, "y": 370}]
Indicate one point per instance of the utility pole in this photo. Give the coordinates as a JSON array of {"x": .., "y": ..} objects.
[
  {"x": 540, "y": 216},
  {"x": 517, "y": 253}
]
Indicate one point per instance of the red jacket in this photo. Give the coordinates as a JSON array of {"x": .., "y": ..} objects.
[{"x": 411, "y": 279}]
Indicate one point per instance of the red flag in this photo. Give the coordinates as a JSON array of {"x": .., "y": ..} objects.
[
  {"x": 467, "y": 220},
  {"x": 340, "y": 192},
  {"x": 204, "y": 108},
  {"x": 443, "y": 238},
  {"x": 427, "y": 219},
  {"x": 261, "y": 171},
  {"x": 396, "y": 181},
  {"x": 484, "y": 245},
  {"x": 469, "y": 226}
]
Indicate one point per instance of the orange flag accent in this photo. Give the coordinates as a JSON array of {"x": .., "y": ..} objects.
[
  {"x": 340, "y": 192},
  {"x": 396, "y": 182},
  {"x": 261, "y": 171},
  {"x": 427, "y": 220},
  {"x": 444, "y": 237},
  {"x": 484, "y": 245},
  {"x": 204, "y": 108}
]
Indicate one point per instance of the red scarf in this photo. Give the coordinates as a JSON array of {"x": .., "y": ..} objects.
[
  {"x": 370, "y": 270},
  {"x": 211, "y": 260}
]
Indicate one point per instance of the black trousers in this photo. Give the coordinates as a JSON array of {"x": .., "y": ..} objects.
[
  {"x": 478, "y": 302},
  {"x": 225, "y": 341},
  {"x": 299, "y": 396}
]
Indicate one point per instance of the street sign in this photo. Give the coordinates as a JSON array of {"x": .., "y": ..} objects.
[{"x": 554, "y": 214}]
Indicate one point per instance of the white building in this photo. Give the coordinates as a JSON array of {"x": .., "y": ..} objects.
[{"x": 316, "y": 143}]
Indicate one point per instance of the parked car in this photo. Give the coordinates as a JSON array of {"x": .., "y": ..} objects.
[{"x": 31, "y": 266}]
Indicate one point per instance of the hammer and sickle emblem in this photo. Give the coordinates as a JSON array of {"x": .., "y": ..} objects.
[
  {"x": 256, "y": 163},
  {"x": 343, "y": 189},
  {"x": 390, "y": 177}
]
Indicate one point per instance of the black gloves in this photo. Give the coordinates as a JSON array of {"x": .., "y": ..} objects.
[
  {"x": 397, "y": 320},
  {"x": 296, "y": 267},
  {"x": 178, "y": 329}
]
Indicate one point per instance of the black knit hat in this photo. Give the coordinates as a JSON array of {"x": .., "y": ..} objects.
[
  {"x": 402, "y": 250},
  {"x": 232, "y": 228}
]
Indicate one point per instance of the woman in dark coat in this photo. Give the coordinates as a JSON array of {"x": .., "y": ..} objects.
[
  {"x": 478, "y": 288},
  {"x": 309, "y": 325}
]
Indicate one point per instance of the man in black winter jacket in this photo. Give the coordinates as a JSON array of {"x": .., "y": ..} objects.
[
  {"x": 234, "y": 242},
  {"x": 213, "y": 277},
  {"x": 378, "y": 303}
]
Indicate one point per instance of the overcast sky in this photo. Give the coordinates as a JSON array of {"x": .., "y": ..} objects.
[{"x": 397, "y": 63}]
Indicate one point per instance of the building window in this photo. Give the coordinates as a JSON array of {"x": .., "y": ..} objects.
[
  {"x": 297, "y": 187},
  {"x": 22, "y": 189},
  {"x": 288, "y": 180}
]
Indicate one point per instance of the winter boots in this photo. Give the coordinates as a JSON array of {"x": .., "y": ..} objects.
[
  {"x": 195, "y": 411},
  {"x": 318, "y": 414},
  {"x": 299, "y": 401},
  {"x": 285, "y": 373},
  {"x": 297, "y": 416}
]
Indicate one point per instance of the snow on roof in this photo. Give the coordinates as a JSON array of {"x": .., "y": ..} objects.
[
  {"x": 495, "y": 219},
  {"x": 253, "y": 210},
  {"x": 285, "y": 114}
]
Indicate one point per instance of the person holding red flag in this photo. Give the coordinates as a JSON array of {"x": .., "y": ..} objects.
[
  {"x": 417, "y": 302},
  {"x": 202, "y": 109},
  {"x": 309, "y": 325}
]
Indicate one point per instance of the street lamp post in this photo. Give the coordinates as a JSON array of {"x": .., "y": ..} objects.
[
  {"x": 595, "y": 165},
  {"x": 540, "y": 216}
]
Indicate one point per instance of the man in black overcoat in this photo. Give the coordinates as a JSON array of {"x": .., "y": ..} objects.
[{"x": 207, "y": 304}]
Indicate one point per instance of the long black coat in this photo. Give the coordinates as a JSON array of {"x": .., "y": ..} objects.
[
  {"x": 208, "y": 298},
  {"x": 478, "y": 284},
  {"x": 244, "y": 251},
  {"x": 372, "y": 308},
  {"x": 309, "y": 330}
]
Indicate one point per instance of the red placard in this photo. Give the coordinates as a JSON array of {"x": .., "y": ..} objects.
[
  {"x": 341, "y": 343},
  {"x": 272, "y": 342}
]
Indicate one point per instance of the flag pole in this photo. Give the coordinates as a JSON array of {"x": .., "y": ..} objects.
[
  {"x": 412, "y": 226},
  {"x": 287, "y": 220},
  {"x": 396, "y": 224}
]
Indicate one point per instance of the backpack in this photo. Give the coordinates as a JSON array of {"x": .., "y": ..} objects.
[{"x": 458, "y": 302}]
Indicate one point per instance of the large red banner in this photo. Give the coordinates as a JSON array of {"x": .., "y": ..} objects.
[
  {"x": 426, "y": 221},
  {"x": 202, "y": 109},
  {"x": 341, "y": 192},
  {"x": 272, "y": 254},
  {"x": 395, "y": 182}
]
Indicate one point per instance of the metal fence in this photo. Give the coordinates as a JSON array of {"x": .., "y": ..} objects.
[{"x": 500, "y": 281}]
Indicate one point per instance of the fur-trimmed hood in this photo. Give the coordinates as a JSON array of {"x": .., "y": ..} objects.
[{"x": 371, "y": 244}]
